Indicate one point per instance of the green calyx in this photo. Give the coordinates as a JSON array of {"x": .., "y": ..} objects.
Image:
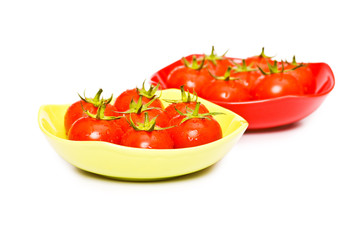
[
  {"x": 274, "y": 68},
  {"x": 96, "y": 99},
  {"x": 138, "y": 107},
  {"x": 147, "y": 125},
  {"x": 263, "y": 55},
  {"x": 242, "y": 68},
  {"x": 190, "y": 114},
  {"x": 214, "y": 57},
  {"x": 150, "y": 93},
  {"x": 226, "y": 76},
  {"x": 100, "y": 112},
  {"x": 186, "y": 97},
  {"x": 294, "y": 63},
  {"x": 194, "y": 64}
]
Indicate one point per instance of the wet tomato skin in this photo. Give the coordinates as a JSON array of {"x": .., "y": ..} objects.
[
  {"x": 91, "y": 129},
  {"x": 76, "y": 111},
  {"x": 156, "y": 139},
  {"x": 194, "y": 132},
  {"x": 275, "y": 85}
]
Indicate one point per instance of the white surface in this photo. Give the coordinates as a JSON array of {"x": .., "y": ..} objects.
[{"x": 300, "y": 182}]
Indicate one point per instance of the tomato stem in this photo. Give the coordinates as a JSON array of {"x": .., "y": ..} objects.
[
  {"x": 214, "y": 57},
  {"x": 100, "y": 112},
  {"x": 226, "y": 76},
  {"x": 96, "y": 99},
  {"x": 150, "y": 93},
  {"x": 194, "y": 64},
  {"x": 195, "y": 113}
]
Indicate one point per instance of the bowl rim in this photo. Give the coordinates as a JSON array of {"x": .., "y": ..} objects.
[
  {"x": 234, "y": 133},
  {"x": 252, "y": 102}
]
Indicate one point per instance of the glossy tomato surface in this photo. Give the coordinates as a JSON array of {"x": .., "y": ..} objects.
[
  {"x": 91, "y": 129},
  {"x": 156, "y": 139},
  {"x": 194, "y": 132},
  {"x": 273, "y": 112}
]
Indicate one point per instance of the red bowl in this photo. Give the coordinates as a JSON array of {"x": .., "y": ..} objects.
[{"x": 273, "y": 112}]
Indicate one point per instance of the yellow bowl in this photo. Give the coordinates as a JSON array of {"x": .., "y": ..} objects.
[{"x": 137, "y": 164}]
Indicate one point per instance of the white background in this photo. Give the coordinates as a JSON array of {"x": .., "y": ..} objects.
[{"x": 296, "y": 182}]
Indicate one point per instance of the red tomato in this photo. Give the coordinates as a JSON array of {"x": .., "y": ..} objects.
[
  {"x": 194, "y": 129},
  {"x": 192, "y": 75},
  {"x": 137, "y": 111},
  {"x": 228, "y": 91},
  {"x": 194, "y": 132},
  {"x": 91, "y": 129},
  {"x": 261, "y": 60},
  {"x": 76, "y": 110},
  {"x": 161, "y": 121},
  {"x": 183, "y": 107},
  {"x": 245, "y": 74},
  {"x": 217, "y": 65},
  {"x": 226, "y": 88},
  {"x": 276, "y": 85},
  {"x": 305, "y": 77},
  {"x": 123, "y": 100},
  {"x": 156, "y": 139},
  {"x": 303, "y": 74},
  {"x": 147, "y": 135},
  {"x": 187, "y": 102}
]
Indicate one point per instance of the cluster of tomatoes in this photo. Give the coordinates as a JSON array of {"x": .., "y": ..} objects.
[
  {"x": 139, "y": 119},
  {"x": 219, "y": 78}
]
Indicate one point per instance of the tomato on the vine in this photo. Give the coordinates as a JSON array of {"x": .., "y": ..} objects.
[
  {"x": 123, "y": 100},
  {"x": 96, "y": 127},
  {"x": 147, "y": 135},
  {"x": 76, "y": 110},
  {"x": 191, "y": 75},
  {"x": 194, "y": 129}
]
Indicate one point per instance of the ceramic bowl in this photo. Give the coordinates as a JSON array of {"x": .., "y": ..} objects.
[
  {"x": 137, "y": 164},
  {"x": 273, "y": 112}
]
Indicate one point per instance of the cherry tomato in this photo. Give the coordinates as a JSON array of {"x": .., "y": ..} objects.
[
  {"x": 123, "y": 100},
  {"x": 186, "y": 103},
  {"x": 96, "y": 127},
  {"x": 303, "y": 74},
  {"x": 217, "y": 65},
  {"x": 183, "y": 107},
  {"x": 76, "y": 110},
  {"x": 137, "y": 111},
  {"x": 156, "y": 139},
  {"x": 147, "y": 135},
  {"x": 226, "y": 88},
  {"x": 91, "y": 129},
  {"x": 276, "y": 85},
  {"x": 261, "y": 60},
  {"x": 161, "y": 121},
  {"x": 194, "y": 129},
  {"x": 246, "y": 75},
  {"x": 192, "y": 75}
]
